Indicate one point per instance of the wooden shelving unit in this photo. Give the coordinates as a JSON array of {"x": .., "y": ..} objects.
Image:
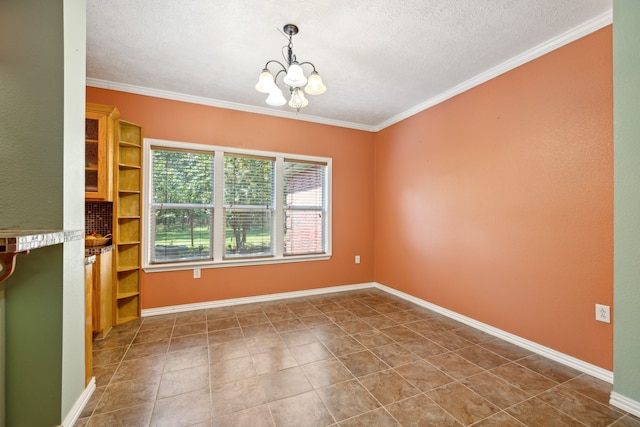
[{"x": 127, "y": 215}]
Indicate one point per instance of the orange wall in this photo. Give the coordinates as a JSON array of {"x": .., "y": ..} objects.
[
  {"x": 498, "y": 203},
  {"x": 352, "y": 152}
]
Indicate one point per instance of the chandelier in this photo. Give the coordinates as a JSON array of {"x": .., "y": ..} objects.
[{"x": 294, "y": 77}]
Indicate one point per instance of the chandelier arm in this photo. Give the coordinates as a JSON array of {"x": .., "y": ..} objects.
[
  {"x": 266, "y": 66},
  {"x": 309, "y": 63},
  {"x": 275, "y": 78}
]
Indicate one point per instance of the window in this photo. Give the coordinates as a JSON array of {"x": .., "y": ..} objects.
[
  {"x": 248, "y": 206},
  {"x": 218, "y": 206},
  {"x": 181, "y": 209},
  {"x": 304, "y": 207}
]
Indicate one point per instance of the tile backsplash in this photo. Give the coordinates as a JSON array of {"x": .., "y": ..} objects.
[{"x": 98, "y": 217}]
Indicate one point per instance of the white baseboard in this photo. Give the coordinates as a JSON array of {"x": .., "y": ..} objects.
[
  {"x": 565, "y": 359},
  {"x": 248, "y": 300},
  {"x": 629, "y": 405},
  {"x": 78, "y": 407}
]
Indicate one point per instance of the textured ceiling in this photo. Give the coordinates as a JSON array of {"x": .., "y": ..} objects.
[{"x": 381, "y": 60}]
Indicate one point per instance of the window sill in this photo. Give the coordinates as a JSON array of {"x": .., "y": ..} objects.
[{"x": 190, "y": 265}]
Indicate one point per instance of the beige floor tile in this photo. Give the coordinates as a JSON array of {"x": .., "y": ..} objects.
[
  {"x": 395, "y": 355},
  {"x": 550, "y": 369},
  {"x": 482, "y": 357},
  {"x": 259, "y": 416},
  {"x": 326, "y": 372},
  {"x": 188, "y": 358},
  {"x": 424, "y": 375},
  {"x": 286, "y": 383},
  {"x": 304, "y": 409},
  {"x": 132, "y": 416},
  {"x": 347, "y": 399},
  {"x": 591, "y": 387},
  {"x": 272, "y": 361},
  {"x": 236, "y": 396},
  {"x": 189, "y": 329},
  {"x": 420, "y": 411},
  {"x": 182, "y": 410},
  {"x": 377, "y": 417},
  {"x": 462, "y": 403},
  {"x": 139, "y": 368},
  {"x": 534, "y": 412},
  {"x": 454, "y": 365},
  {"x": 184, "y": 381},
  {"x": 495, "y": 390},
  {"x": 523, "y": 378},
  {"x": 128, "y": 393},
  {"x": 580, "y": 407},
  {"x": 363, "y": 363},
  {"x": 228, "y": 370},
  {"x": 388, "y": 387}
]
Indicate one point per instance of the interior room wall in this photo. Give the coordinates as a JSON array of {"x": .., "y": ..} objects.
[
  {"x": 626, "y": 65},
  {"x": 352, "y": 186},
  {"x": 497, "y": 204},
  {"x": 44, "y": 299}
]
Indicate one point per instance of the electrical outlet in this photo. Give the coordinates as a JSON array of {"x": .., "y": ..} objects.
[
  {"x": 603, "y": 313},
  {"x": 196, "y": 273},
  {"x": 357, "y": 259}
]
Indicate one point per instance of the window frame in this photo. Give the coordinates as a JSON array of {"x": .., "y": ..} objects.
[{"x": 218, "y": 239}]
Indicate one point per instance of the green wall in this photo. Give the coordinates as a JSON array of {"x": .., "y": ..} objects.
[
  {"x": 626, "y": 91},
  {"x": 41, "y": 82}
]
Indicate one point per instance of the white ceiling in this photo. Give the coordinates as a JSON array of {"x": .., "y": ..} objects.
[{"x": 381, "y": 60}]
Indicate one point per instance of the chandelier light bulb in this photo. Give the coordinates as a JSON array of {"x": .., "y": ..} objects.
[
  {"x": 295, "y": 76},
  {"x": 265, "y": 82},
  {"x": 298, "y": 100},
  {"x": 276, "y": 98},
  {"x": 315, "y": 85}
]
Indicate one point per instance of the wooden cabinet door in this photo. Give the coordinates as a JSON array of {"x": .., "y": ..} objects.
[{"x": 100, "y": 133}]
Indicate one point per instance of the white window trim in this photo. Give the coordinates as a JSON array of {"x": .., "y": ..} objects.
[{"x": 218, "y": 220}]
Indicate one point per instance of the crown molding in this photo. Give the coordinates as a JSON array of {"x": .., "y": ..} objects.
[
  {"x": 572, "y": 35},
  {"x": 193, "y": 99}
]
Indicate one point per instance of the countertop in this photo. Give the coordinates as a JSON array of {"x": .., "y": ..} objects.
[
  {"x": 13, "y": 241},
  {"x": 97, "y": 250}
]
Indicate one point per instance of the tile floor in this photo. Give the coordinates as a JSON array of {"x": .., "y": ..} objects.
[{"x": 360, "y": 358}]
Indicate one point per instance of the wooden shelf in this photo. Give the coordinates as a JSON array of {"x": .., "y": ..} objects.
[
  {"x": 128, "y": 223},
  {"x": 128, "y": 144},
  {"x": 125, "y": 268},
  {"x": 127, "y": 295},
  {"x": 122, "y": 320}
]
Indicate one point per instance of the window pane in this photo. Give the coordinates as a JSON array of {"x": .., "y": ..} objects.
[
  {"x": 304, "y": 232},
  {"x": 248, "y": 181},
  {"x": 182, "y": 177},
  {"x": 247, "y": 232},
  {"x": 304, "y": 200},
  {"x": 181, "y": 234},
  {"x": 303, "y": 184}
]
